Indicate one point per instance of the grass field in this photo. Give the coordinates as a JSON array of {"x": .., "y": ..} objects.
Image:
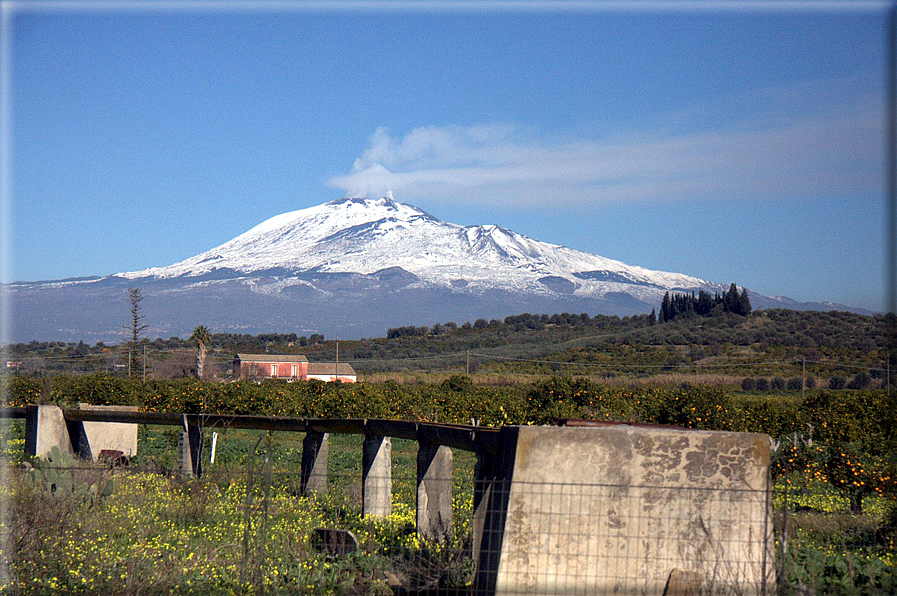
[{"x": 243, "y": 528}]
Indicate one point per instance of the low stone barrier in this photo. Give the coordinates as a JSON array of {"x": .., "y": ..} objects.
[{"x": 624, "y": 510}]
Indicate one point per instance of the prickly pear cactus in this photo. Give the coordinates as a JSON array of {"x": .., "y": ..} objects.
[{"x": 53, "y": 476}]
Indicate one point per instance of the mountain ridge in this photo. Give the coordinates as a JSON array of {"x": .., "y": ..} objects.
[{"x": 354, "y": 267}]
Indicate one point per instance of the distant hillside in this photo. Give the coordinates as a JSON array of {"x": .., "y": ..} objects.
[{"x": 542, "y": 344}]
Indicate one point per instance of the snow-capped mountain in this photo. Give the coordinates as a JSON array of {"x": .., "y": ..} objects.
[
  {"x": 366, "y": 236},
  {"x": 353, "y": 267}
]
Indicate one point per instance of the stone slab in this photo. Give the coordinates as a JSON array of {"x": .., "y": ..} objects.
[
  {"x": 376, "y": 472},
  {"x": 45, "y": 428},
  {"x": 615, "y": 510},
  {"x": 115, "y": 436},
  {"x": 434, "y": 491}
]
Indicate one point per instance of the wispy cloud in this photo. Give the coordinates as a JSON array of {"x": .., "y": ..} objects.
[{"x": 823, "y": 152}]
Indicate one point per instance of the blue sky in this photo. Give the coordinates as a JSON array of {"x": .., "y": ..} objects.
[{"x": 738, "y": 143}]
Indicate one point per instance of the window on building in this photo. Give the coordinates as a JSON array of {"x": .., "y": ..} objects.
[
  {"x": 295, "y": 370},
  {"x": 273, "y": 370}
]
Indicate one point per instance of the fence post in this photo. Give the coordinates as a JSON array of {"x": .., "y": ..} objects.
[
  {"x": 434, "y": 491},
  {"x": 195, "y": 436},
  {"x": 315, "y": 450},
  {"x": 376, "y": 470},
  {"x": 185, "y": 462},
  {"x": 45, "y": 428},
  {"x": 190, "y": 449}
]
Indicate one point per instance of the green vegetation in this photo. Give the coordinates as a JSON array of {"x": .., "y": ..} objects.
[
  {"x": 768, "y": 343},
  {"x": 815, "y": 382},
  {"x": 241, "y": 529}
]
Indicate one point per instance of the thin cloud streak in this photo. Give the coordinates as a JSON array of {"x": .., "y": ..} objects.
[{"x": 821, "y": 154}]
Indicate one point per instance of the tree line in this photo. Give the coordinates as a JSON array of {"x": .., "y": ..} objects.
[{"x": 704, "y": 304}]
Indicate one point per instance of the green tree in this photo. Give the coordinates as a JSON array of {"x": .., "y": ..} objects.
[
  {"x": 744, "y": 303},
  {"x": 665, "y": 310},
  {"x": 81, "y": 350},
  {"x": 854, "y": 440},
  {"x": 732, "y": 300}
]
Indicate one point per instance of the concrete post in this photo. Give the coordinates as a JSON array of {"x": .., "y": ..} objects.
[
  {"x": 185, "y": 460},
  {"x": 434, "y": 491},
  {"x": 194, "y": 434},
  {"x": 45, "y": 428},
  {"x": 315, "y": 450},
  {"x": 376, "y": 471}
]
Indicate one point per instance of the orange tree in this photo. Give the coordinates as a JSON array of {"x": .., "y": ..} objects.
[{"x": 854, "y": 440}]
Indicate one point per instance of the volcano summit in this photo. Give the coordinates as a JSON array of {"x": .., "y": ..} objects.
[{"x": 354, "y": 267}]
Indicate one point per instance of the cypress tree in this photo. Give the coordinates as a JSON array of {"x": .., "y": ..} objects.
[
  {"x": 665, "y": 314},
  {"x": 744, "y": 303},
  {"x": 731, "y": 299}
]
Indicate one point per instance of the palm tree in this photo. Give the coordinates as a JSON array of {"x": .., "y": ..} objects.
[{"x": 203, "y": 338}]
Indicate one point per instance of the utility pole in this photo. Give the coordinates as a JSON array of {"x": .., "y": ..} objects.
[
  {"x": 336, "y": 365},
  {"x": 468, "y": 363},
  {"x": 803, "y": 376}
]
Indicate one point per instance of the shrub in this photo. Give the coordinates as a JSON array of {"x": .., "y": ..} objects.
[
  {"x": 837, "y": 383},
  {"x": 861, "y": 380},
  {"x": 777, "y": 383},
  {"x": 701, "y": 407},
  {"x": 762, "y": 384},
  {"x": 794, "y": 384},
  {"x": 749, "y": 384},
  {"x": 811, "y": 382}
]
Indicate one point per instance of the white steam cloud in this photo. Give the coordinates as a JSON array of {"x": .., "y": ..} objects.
[{"x": 816, "y": 153}]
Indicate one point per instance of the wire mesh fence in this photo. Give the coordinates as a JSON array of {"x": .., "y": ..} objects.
[{"x": 249, "y": 526}]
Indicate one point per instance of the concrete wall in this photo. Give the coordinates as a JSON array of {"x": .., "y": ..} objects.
[
  {"x": 617, "y": 510},
  {"x": 113, "y": 436},
  {"x": 45, "y": 428}
]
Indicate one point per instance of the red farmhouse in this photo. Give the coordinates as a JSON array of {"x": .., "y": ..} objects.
[
  {"x": 270, "y": 366},
  {"x": 290, "y": 367}
]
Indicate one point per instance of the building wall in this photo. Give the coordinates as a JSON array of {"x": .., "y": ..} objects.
[{"x": 263, "y": 369}]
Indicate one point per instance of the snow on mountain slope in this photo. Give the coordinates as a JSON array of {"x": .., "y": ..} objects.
[{"x": 368, "y": 235}]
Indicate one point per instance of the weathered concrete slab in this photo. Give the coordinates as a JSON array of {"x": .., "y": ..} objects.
[
  {"x": 376, "y": 471},
  {"x": 45, "y": 428},
  {"x": 615, "y": 510},
  {"x": 95, "y": 437},
  {"x": 315, "y": 451},
  {"x": 434, "y": 491},
  {"x": 185, "y": 457}
]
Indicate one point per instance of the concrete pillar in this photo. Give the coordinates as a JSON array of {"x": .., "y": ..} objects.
[
  {"x": 315, "y": 450},
  {"x": 185, "y": 460},
  {"x": 194, "y": 435},
  {"x": 45, "y": 428},
  {"x": 434, "y": 491},
  {"x": 376, "y": 471},
  {"x": 190, "y": 451}
]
